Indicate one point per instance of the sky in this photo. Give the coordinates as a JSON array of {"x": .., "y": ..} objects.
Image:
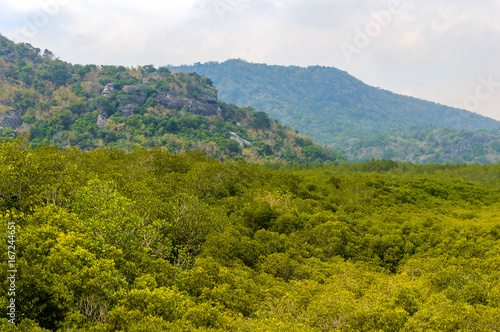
[{"x": 439, "y": 50}]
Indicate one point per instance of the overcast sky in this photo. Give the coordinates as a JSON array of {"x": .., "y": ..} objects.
[{"x": 439, "y": 50}]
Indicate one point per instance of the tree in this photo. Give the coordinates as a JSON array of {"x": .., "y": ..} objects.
[{"x": 149, "y": 69}]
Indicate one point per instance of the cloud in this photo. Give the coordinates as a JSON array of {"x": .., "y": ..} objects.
[
  {"x": 25, "y": 6},
  {"x": 436, "y": 49}
]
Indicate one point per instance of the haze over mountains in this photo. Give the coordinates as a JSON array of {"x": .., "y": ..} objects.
[
  {"x": 133, "y": 200},
  {"x": 327, "y": 100},
  {"x": 91, "y": 106},
  {"x": 342, "y": 112}
]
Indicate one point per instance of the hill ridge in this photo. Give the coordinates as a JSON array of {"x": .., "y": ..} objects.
[
  {"x": 351, "y": 100},
  {"x": 90, "y": 106}
]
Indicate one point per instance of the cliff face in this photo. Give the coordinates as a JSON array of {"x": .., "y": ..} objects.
[
  {"x": 130, "y": 97},
  {"x": 205, "y": 104}
]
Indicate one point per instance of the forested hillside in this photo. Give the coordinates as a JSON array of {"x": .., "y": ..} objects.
[
  {"x": 132, "y": 199},
  {"x": 89, "y": 106},
  {"x": 428, "y": 145},
  {"x": 152, "y": 241},
  {"x": 338, "y": 110}
]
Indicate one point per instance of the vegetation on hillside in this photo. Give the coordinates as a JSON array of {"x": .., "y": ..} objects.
[
  {"x": 89, "y": 106},
  {"x": 131, "y": 201},
  {"x": 342, "y": 112},
  {"x": 428, "y": 145},
  {"x": 149, "y": 240}
]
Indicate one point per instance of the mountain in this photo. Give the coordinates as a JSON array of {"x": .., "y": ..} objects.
[
  {"x": 331, "y": 106},
  {"x": 89, "y": 106},
  {"x": 428, "y": 145},
  {"x": 136, "y": 239}
]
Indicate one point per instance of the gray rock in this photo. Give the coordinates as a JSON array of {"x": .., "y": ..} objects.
[
  {"x": 134, "y": 90},
  {"x": 10, "y": 119},
  {"x": 466, "y": 145},
  {"x": 482, "y": 138},
  {"x": 128, "y": 110},
  {"x": 101, "y": 121},
  {"x": 173, "y": 102},
  {"x": 205, "y": 108},
  {"x": 133, "y": 95},
  {"x": 5, "y": 51},
  {"x": 243, "y": 142},
  {"x": 109, "y": 89},
  {"x": 205, "y": 104}
]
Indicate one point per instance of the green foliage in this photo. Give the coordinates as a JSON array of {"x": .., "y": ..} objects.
[
  {"x": 67, "y": 106},
  {"x": 427, "y": 145},
  {"x": 341, "y": 112},
  {"x": 171, "y": 239},
  {"x": 261, "y": 121},
  {"x": 114, "y": 241}
]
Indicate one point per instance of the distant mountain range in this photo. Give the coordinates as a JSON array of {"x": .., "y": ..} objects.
[
  {"x": 88, "y": 106},
  {"x": 342, "y": 112}
]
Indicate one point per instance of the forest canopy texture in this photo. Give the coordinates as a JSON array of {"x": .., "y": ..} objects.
[{"x": 155, "y": 241}]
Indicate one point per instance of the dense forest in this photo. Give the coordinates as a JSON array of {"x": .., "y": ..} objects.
[
  {"x": 89, "y": 106},
  {"x": 341, "y": 112},
  {"x": 155, "y": 241},
  {"x": 428, "y": 145},
  {"x": 132, "y": 199}
]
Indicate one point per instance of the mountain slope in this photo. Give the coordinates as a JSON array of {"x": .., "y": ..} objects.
[
  {"x": 328, "y": 104},
  {"x": 428, "y": 145},
  {"x": 54, "y": 102}
]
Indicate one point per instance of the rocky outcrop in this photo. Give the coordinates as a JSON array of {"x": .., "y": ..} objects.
[
  {"x": 109, "y": 89},
  {"x": 131, "y": 96},
  {"x": 173, "y": 102},
  {"x": 466, "y": 145},
  {"x": 10, "y": 119},
  {"x": 101, "y": 121},
  {"x": 206, "y": 109},
  {"x": 243, "y": 142},
  {"x": 204, "y": 105},
  {"x": 128, "y": 110},
  {"x": 207, "y": 103},
  {"x": 482, "y": 138}
]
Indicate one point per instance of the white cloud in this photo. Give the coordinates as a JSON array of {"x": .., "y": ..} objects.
[
  {"x": 435, "y": 49},
  {"x": 20, "y": 6}
]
